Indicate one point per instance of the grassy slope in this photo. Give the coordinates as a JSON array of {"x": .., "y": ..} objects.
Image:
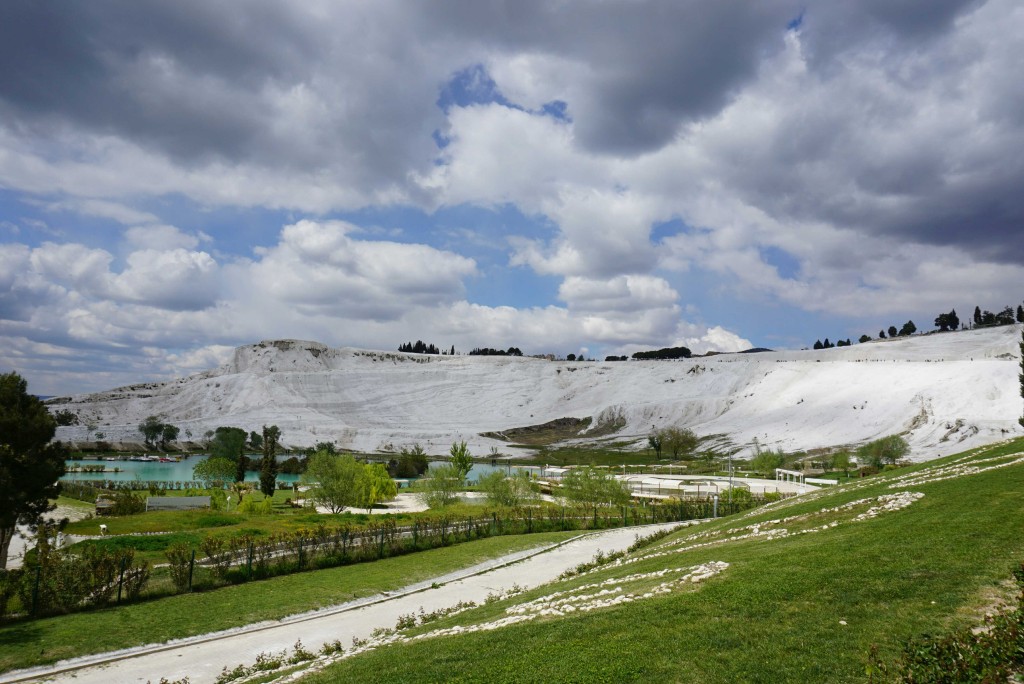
[
  {"x": 47, "y": 640},
  {"x": 774, "y": 615}
]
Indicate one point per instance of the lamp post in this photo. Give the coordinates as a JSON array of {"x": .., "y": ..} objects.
[{"x": 730, "y": 480}]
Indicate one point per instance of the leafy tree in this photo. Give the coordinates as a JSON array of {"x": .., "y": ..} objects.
[
  {"x": 947, "y": 321},
  {"x": 154, "y": 430},
  {"x": 411, "y": 462},
  {"x": 679, "y": 441},
  {"x": 664, "y": 353},
  {"x": 766, "y": 461},
  {"x": 654, "y": 441},
  {"x": 881, "y": 334},
  {"x": 590, "y": 488},
  {"x": 892, "y": 331},
  {"x": 268, "y": 464},
  {"x": 885, "y": 450},
  {"x": 229, "y": 443},
  {"x": 255, "y": 440},
  {"x": 487, "y": 351},
  {"x": 65, "y": 417},
  {"x": 30, "y": 466},
  {"x": 151, "y": 428},
  {"x": 461, "y": 459},
  {"x": 511, "y": 491},
  {"x": 908, "y": 329},
  {"x": 1005, "y": 317},
  {"x": 841, "y": 461},
  {"x": 333, "y": 480},
  {"x": 570, "y": 357},
  {"x": 213, "y": 469},
  {"x": 168, "y": 433},
  {"x": 374, "y": 486},
  {"x": 442, "y": 487},
  {"x": 864, "y": 338},
  {"x": 327, "y": 447}
]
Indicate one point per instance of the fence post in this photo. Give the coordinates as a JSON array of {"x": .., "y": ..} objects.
[
  {"x": 249, "y": 563},
  {"x": 191, "y": 568},
  {"x": 529, "y": 520},
  {"x": 120, "y": 581}
]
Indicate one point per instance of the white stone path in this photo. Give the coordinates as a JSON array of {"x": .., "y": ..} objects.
[{"x": 202, "y": 658}]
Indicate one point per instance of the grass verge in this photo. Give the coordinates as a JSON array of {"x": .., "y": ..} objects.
[
  {"x": 811, "y": 585},
  {"x": 48, "y": 640}
]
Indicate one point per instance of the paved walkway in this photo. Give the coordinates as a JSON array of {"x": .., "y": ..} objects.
[
  {"x": 24, "y": 540},
  {"x": 203, "y": 658}
]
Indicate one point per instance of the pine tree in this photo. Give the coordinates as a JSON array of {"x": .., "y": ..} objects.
[
  {"x": 977, "y": 315},
  {"x": 30, "y": 464}
]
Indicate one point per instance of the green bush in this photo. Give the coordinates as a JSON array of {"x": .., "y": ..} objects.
[{"x": 179, "y": 557}]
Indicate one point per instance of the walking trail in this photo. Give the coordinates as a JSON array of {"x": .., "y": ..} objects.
[{"x": 202, "y": 658}]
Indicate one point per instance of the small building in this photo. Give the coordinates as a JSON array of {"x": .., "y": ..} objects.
[{"x": 177, "y": 503}]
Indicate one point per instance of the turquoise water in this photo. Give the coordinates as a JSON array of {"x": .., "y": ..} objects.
[
  {"x": 182, "y": 472},
  {"x": 147, "y": 471}
]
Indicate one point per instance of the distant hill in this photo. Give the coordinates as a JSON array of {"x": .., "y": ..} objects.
[{"x": 944, "y": 392}]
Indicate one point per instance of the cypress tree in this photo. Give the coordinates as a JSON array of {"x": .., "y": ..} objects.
[
  {"x": 268, "y": 464},
  {"x": 1021, "y": 376}
]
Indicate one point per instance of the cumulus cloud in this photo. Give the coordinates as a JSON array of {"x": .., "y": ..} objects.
[
  {"x": 174, "y": 279},
  {"x": 833, "y": 157},
  {"x": 319, "y": 268},
  {"x": 160, "y": 237}
]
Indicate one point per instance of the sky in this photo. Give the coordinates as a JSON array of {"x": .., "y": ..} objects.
[{"x": 179, "y": 178}]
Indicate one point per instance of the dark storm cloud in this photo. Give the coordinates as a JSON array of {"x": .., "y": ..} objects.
[
  {"x": 348, "y": 93},
  {"x": 86, "y": 64},
  {"x": 905, "y": 125},
  {"x": 651, "y": 66},
  {"x": 834, "y": 27},
  {"x": 200, "y": 82}
]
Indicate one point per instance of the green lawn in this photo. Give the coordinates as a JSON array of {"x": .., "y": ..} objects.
[
  {"x": 37, "y": 642},
  {"x": 777, "y": 613}
]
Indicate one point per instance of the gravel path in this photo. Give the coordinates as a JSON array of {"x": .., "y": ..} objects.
[
  {"x": 24, "y": 540},
  {"x": 203, "y": 658}
]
